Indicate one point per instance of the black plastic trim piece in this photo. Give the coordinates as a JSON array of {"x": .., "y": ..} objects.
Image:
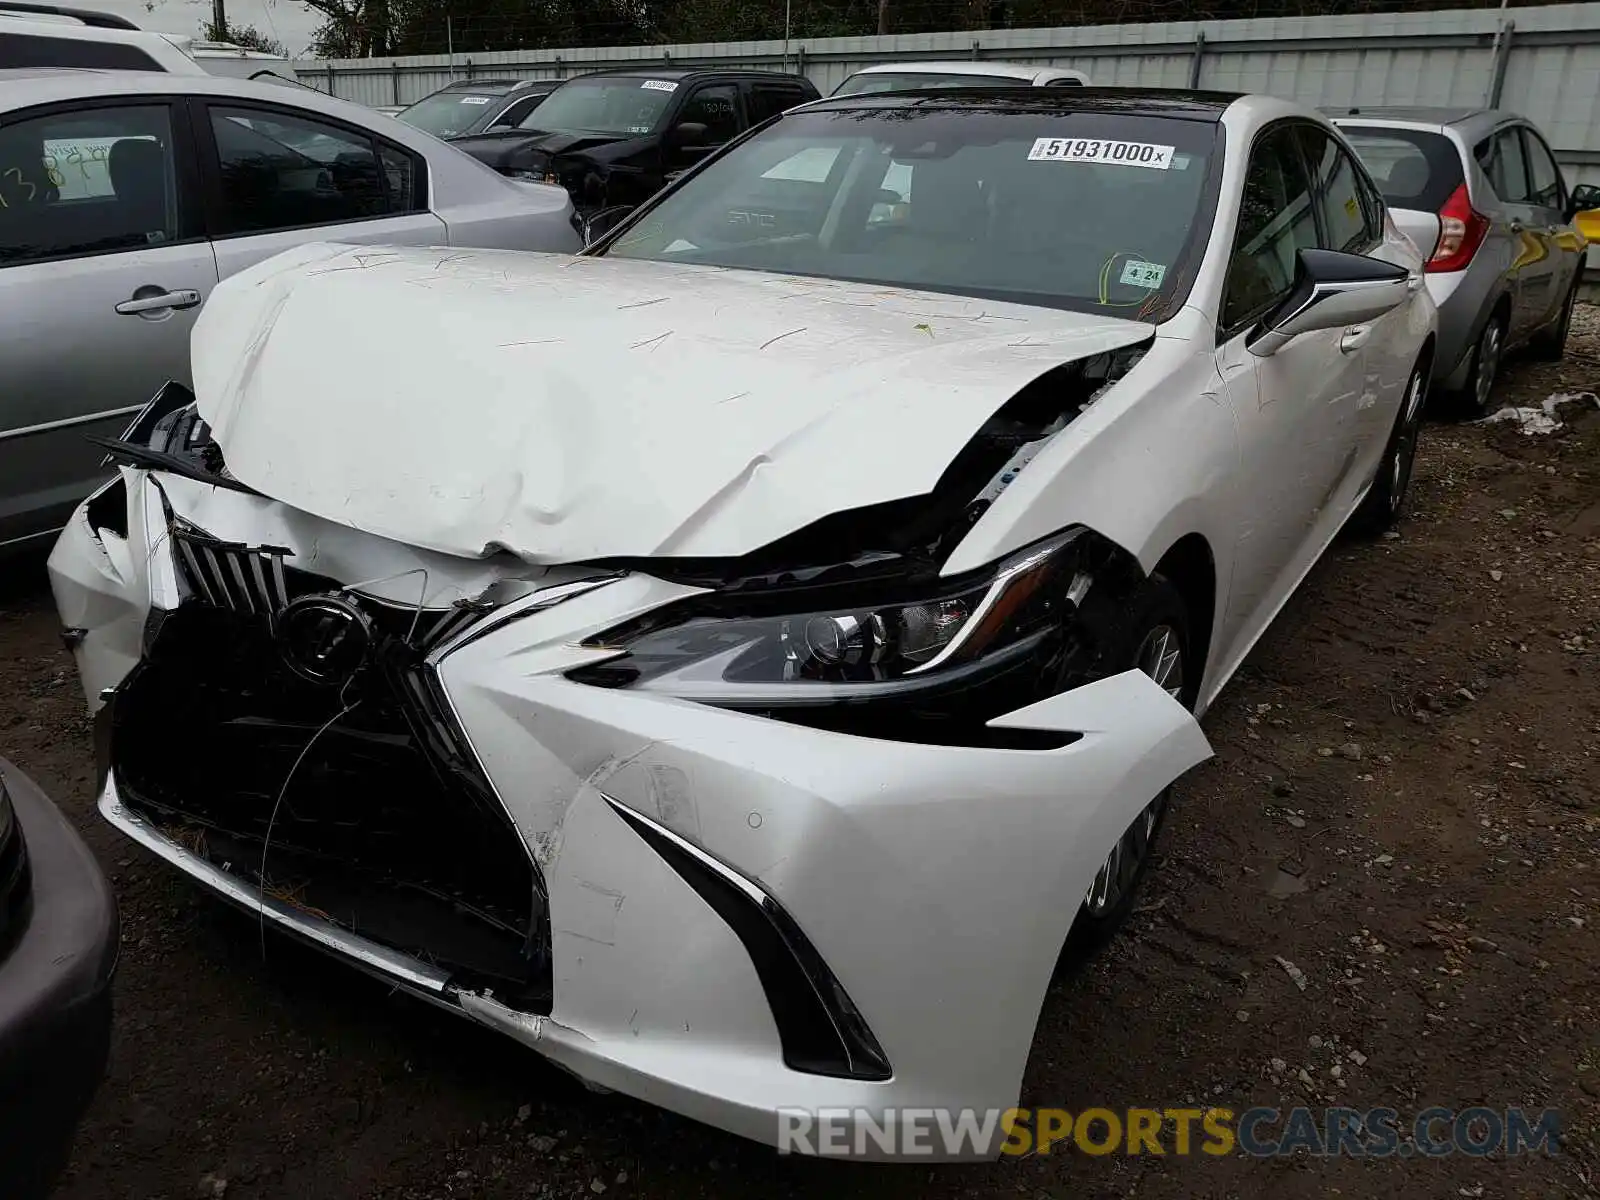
[{"x": 820, "y": 1028}]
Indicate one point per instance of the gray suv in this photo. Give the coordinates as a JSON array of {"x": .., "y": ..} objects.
[{"x": 1480, "y": 193}]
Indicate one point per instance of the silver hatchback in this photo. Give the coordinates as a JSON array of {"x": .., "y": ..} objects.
[{"x": 1480, "y": 193}]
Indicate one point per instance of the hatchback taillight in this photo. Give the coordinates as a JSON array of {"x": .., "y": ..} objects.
[{"x": 1461, "y": 231}]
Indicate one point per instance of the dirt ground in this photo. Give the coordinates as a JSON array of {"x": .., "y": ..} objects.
[{"x": 1405, "y": 804}]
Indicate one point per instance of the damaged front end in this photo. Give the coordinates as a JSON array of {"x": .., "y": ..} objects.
[
  {"x": 289, "y": 729},
  {"x": 801, "y": 828}
]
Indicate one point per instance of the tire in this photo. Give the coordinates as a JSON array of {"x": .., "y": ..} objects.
[
  {"x": 1475, "y": 395},
  {"x": 1550, "y": 343},
  {"x": 1385, "y": 500},
  {"x": 1155, "y": 607}
]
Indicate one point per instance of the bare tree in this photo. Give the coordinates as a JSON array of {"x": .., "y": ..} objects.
[{"x": 883, "y": 16}]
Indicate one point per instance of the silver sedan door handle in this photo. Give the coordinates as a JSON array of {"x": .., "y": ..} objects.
[
  {"x": 1354, "y": 338},
  {"x": 182, "y": 298}
]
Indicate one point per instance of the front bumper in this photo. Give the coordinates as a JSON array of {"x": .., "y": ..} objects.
[
  {"x": 55, "y": 996},
  {"x": 691, "y": 856}
]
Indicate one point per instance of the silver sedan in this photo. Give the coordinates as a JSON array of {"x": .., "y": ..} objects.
[{"x": 126, "y": 196}]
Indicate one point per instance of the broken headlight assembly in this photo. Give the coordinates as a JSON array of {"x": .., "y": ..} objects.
[
  {"x": 169, "y": 434},
  {"x": 932, "y": 664}
]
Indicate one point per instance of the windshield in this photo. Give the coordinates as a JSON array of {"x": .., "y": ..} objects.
[
  {"x": 1087, "y": 210},
  {"x": 623, "y": 107},
  {"x": 451, "y": 114},
  {"x": 867, "y": 82}
]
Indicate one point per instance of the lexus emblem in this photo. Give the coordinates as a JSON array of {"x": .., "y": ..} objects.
[{"x": 324, "y": 639}]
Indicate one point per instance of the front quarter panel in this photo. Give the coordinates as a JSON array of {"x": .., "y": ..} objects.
[{"x": 1152, "y": 460}]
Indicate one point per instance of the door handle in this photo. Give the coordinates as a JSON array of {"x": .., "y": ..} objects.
[
  {"x": 182, "y": 298},
  {"x": 1354, "y": 338}
]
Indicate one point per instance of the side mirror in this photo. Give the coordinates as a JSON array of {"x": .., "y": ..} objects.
[
  {"x": 596, "y": 225},
  {"x": 1331, "y": 290},
  {"x": 689, "y": 133},
  {"x": 1585, "y": 198}
]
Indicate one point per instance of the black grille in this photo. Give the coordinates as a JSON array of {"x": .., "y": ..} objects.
[
  {"x": 380, "y": 817},
  {"x": 258, "y": 581}
]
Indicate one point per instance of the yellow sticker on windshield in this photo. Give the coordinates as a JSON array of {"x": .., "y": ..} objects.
[{"x": 1350, "y": 207}]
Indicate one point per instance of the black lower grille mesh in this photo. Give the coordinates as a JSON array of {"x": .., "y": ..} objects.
[{"x": 387, "y": 826}]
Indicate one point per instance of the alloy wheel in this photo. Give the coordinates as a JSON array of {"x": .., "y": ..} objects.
[
  {"x": 1488, "y": 364},
  {"x": 1404, "y": 455},
  {"x": 1160, "y": 657}
]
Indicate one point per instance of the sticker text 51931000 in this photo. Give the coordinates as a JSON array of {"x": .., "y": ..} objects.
[{"x": 1097, "y": 150}]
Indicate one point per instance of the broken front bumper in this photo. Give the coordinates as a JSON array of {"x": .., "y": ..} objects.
[{"x": 743, "y": 915}]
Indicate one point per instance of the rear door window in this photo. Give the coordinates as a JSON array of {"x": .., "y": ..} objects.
[
  {"x": 1543, "y": 172},
  {"x": 1503, "y": 162},
  {"x": 768, "y": 100},
  {"x": 1413, "y": 168},
  {"x": 278, "y": 170}
]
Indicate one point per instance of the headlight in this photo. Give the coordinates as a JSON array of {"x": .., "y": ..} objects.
[{"x": 713, "y": 652}]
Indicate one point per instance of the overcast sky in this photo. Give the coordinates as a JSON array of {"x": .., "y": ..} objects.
[{"x": 290, "y": 23}]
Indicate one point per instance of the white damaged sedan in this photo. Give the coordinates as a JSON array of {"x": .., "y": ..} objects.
[{"x": 739, "y": 661}]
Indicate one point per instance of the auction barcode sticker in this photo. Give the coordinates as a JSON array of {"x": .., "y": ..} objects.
[
  {"x": 1093, "y": 150},
  {"x": 659, "y": 85}
]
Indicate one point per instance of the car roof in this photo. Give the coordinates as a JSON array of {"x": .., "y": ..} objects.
[
  {"x": 1417, "y": 116},
  {"x": 1153, "y": 102},
  {"x": 491, "y": 87},
  {"x": 682, "y": 73},
  {"x": 23, "y": 87},
  {"x": 968, "y": 67}
]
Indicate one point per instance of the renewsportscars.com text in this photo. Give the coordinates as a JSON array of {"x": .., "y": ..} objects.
[{"x": 1180, "y": 1132}]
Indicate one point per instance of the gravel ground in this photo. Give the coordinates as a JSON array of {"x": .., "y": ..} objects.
[{"x": 1405, "y": 805}]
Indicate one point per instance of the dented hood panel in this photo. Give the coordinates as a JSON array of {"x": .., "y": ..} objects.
[{"x": 575, "y": 408}]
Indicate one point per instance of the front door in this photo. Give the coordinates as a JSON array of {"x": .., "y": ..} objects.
[
  {"x": 1293, "y": 408},
  {"x": 103, "y": 269}
]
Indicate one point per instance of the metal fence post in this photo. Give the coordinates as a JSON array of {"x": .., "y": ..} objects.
[
  {"x": 1199, "y": 57},
  {"x": 331, "y": 92},
  {"x": 974, "y": 49},
  {"x": 800, "y": 60},
  {"x": 469, "y": 68},
  {"x": 395, "y": 79},
  {"x": 1502, "y": 52}
]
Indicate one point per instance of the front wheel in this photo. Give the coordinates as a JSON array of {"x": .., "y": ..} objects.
[
  {"x": 1386, "y": 500},
  {"x": 1154, "y": 638}
]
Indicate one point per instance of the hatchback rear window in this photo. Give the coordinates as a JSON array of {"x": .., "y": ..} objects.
[{"x": 1413, "y": 168}]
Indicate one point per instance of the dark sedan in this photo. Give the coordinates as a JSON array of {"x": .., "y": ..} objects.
[
  {"x": 58, "y": 949},
  {"x": 472, "y": 106}
]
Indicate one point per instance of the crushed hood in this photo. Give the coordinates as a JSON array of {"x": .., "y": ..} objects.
[{"x": 567, "y": 409}]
